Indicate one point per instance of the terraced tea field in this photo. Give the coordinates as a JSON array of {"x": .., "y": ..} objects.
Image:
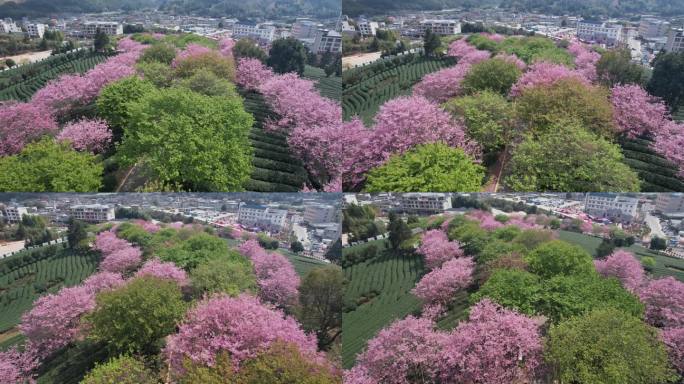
[
  {"x": 274, "y": 168},
  {"x": 379, "y": 291},
  {"x": 20, "y": 287},
  {"x": 21, "y": 83},
  {"x": 657, "y": 173},
  {"x": 330, "y": 87},
  {"x": 364, "y": 97}
]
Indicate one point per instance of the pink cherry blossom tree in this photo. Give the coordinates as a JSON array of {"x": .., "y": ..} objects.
[
  {"x": 440, "y": 285},
  {"x": 54, "y": 320},
  {"x": 512, "y": 58},
  {"x": 585, "y": 60},
  {"x": 403, "y": 123},
  {"x": 22, "y": 123},
  {"x": 636, "y": 112},
  {"x": 191, "y": 50},
  {"x": 625, "y": 267},
  {"x": 460, "y": 48},
  {"x": 106, "y": 242},
  {"x": 405, "y": 351},
  {"x": 163, "y": 270},
  {"x": 147, "y": 225},
  {"x": 495, "y": 346},
  {"x": 251, "y": 73},
  {"x": 670, "y": 143},
  {"x": 241, "y": 327},
  {"x": 664, "y": 300},
  {"x": 226, "y": 46},
  {"x": 674, "y": 341},
  {"x": 122, "y": 261},
  {"x": 442, "y": 85},
  {"x": 486, "y": 220},
  {"x": 87, "y": 135},
  {"x": 437, "y": 249},
  {"x": 544, "y": 73},
  {"x": 103, "y": 281},
  {"x": 17, "y": 366}
]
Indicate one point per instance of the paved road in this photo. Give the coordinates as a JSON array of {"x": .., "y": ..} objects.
[{"x": 654, "y": 223}]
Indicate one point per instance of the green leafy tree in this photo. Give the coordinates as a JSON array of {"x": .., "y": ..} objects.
[
  {"x": 658, "y": 243},
  {"x": 195, "y": 141},
  {"x": 121, "y": 370},
  {"x": 399, "y": 231},
  {"x": 222, "y": 67},
  {"x": 488, "y": 116},
  {"x": 320, "y": 295},
  {"x": 114, "y": 99},
  {"x": 287, "y": 55},
  {"x": 135, "y": 318},
  {"x": 569, "y": 158},
  {"x": 542, "y": 108},
  {"x": 428, "y": 167},
  {"x": 10, "y": 63},
  {"x": 248, "y": 48},
  {"x": 473, "y": 239},
  {"x": 648, "y": 262},
  {"x": 605, "y": 248},
  {"x": 232, "y": 275},
  {"x": 532, "y": 238},
  {"x": 431, "y": 42},
  {"x": 101, "y": 41},
  {"x": 33, "y": 230},
  {"x": 566, "y": 296},
  {"x": 616, "y": 67},
  {"x": 560, "y": 258},
  {"x": 49, "y": 166},
  {"x": 198, "y": 248},
  {"x": 607, "y": 346},
  {"x": 161, "y": 52},
  {"x": 512, "y": 288},
  {"x": 207, "y": 83},
  {"x": 496, "y": 75},
  {"x": 77, "y": 234},
  {"x": 296, "y": 247},
  {"x": 667, "y": 81},
  {"x": 159, "y": 74},
  {"x": 497, "y": 248}
]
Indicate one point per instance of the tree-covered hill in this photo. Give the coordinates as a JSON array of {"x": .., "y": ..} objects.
[{"x": 583, "y": 7}]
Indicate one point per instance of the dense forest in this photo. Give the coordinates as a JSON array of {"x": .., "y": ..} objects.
[
  {"x": 581, "y": 7},
  {"x": 232, "y": 8}
]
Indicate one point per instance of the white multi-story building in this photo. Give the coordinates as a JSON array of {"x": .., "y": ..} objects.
[
  {"x": 611, "y": 206},
  {"x": 9, "y": 26},
  {"x": 327, "y": 41},
  {"x": 670, "y": 203},
  {"x": 35, "y": 30},
  {"x": 320, "y": 213},
  {"x": 13, "y": 214},
  {"x": 347, "y": 29},
  {"x": 368, "y": 28},
  {"x": 650, "y": 27},
  {"x": 94, "y": 213},
  {"x": 599, "y": 32},
  {"x": 112, "y": 29},
  {"x": 424, "y": 203},
  {"x": 441, "y": 27},
  {"x": 305, "y": 29},
  {"x": 261, "y": 216},
  {"x": 258, "y": 31},
  {"x": 675, "y": 40}
]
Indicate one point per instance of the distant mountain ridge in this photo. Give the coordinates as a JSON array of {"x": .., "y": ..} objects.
[
  {"x": 577, "y": 7},
  {"x": 215, "y": 8}
]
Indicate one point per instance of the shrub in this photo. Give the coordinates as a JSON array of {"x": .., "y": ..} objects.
[
  {"x": 120, "y": 370},
  {"x": 161, "y": 53},
  {"x": 428, "y": 167},
  {"x": 231, "y": 275},
  {"x": 560, "y": 258},
  {"x": 134, "y": 318},
  {"x": 496, "y": 75}
]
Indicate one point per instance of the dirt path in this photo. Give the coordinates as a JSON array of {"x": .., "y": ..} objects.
[{"x": 494, "y": 173}]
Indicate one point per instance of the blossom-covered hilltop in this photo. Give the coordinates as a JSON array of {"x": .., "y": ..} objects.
[
  {"x": 489, "y": 112},
  {"x": 179, "y": 304}
]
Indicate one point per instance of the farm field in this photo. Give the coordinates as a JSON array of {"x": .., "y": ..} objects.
[
  {"x": 330, "y": 87},
  {"x": 657, "y": 173},
  {"x": 20, "y": 287},
  {"x": 364, "y": 97},
  {"x": 274, "y": 168},
  {"x": 665, "y": 266},
  {"x": 389, "y": 277},
  {"x": 21, "y": 83}
]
